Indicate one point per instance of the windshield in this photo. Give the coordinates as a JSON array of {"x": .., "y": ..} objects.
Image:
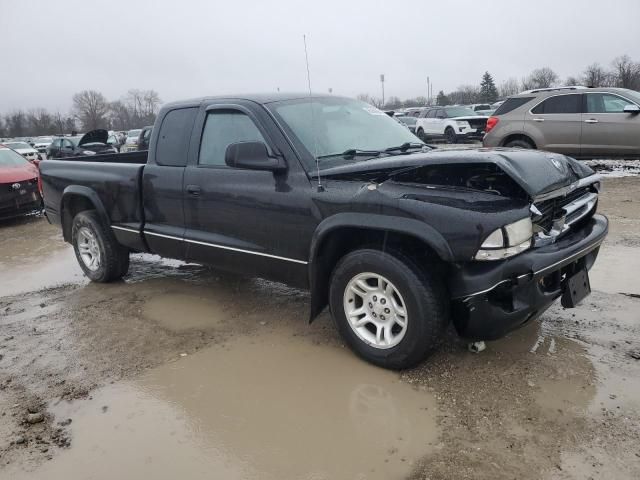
[
  {"x": 9, "y": 158},
  {"x": 18, "y": 145},
  {"x": 453, "y": 112},
  {"x": 134, "y": 133},
  {"x": 75, "y": 139},
  {"x": 326, "y": 127}
]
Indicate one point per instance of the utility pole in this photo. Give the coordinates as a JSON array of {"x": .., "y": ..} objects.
[
  {"x": 428, "y": 92},
  {"x": 382, "y": 82}
]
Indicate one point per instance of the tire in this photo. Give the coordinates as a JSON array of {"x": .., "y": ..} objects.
[
  {"x": 519, "y": 143},
  {"x": 426, "y": 312},
  {"x": 92, "y": 239},
  {"x": 450, "y": 135},
  {"x": 420, "y": 134}
]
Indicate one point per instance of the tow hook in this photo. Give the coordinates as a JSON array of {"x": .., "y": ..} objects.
[{"x": 476, "y": 347}]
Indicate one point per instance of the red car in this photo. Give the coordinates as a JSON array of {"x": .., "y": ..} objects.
[{"x": 20, "y": 191}]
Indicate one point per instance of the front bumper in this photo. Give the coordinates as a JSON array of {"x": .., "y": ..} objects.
[
  {"x": 20, "y": 205},
  {"x": 492, "y": 298}
]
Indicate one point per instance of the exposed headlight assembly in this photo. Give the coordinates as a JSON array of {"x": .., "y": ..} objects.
[
  {"x": 507, "y": 241},
  {"x": 88, "y": 152}
]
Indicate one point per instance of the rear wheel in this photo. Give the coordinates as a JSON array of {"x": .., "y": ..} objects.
[
  {"x": 388, "y": 310},
  {"x": 99, "y": 254},
  {"x": 519, "y": 143},
  {"x": 421, "y": 135},
  {"x": 450, "y": 135}
]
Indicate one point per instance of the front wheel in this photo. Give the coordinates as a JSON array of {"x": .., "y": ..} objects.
[
  {"x": 421, "y": 135},
  {"x": 450, "y": 135},
  {"x": 99, "y": 254},
  {"x": 389, "y": 310}
]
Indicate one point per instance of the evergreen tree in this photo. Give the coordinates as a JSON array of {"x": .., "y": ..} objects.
[
  {"x": 442, "y": 99},
  {"x": 488, "y": 90}
]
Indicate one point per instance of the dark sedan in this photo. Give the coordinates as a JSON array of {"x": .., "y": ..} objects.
[{"x": 90, "y": 143}]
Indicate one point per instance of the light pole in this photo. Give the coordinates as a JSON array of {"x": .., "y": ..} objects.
[
  {"x": 428, "y": 92},
  {"x": 382, "y": 83}
]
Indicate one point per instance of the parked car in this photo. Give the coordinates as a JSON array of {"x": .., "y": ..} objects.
[
  {"x": 482, "y": 108},
  {"x": 131, "y": 142},
  {"x": 143, "y": 138},
  {"x": 42, "y": 143},
  {"x": 409, "y": 121},
  {"x": 90, "y": 143},
  {"x": 114, "y": 141},
  {"x": 19, "y": 187},
  {"x": 24, "y": 149},
  {"x": 578, "y": 121},
  {"x": 397, "y": 238},
  {"x": 451, "y": 123}
]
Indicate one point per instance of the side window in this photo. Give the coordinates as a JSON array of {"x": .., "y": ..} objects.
[
  {"x": 559, "y": 104},
  {"x": 431, "y": 114},
  {"x": 67, "y": 144},
  {"x": 511, "y": 104},
  {"x": 605, "y": 103},
  {"x": 173, "y": 138},
  {"x": 441, "y": 113},
  {"x": 221, "y": 129}
]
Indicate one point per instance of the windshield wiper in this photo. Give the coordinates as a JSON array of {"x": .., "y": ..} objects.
[
  {"x": 407, "y": 146},
  {"x": 354, "y": 152}
]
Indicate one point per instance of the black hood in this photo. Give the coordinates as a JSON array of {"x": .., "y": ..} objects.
[
  {"x": 94, "y": 136},
  {"x": 536, "y": 172}
]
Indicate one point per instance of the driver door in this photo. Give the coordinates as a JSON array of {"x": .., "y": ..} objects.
[{"x": 249, "y": 221}]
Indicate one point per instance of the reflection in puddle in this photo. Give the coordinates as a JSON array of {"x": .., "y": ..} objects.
[{"x": 259, "y": 407}]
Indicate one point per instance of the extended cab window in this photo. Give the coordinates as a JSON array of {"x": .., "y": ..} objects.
[
  {"x": 173, "y": 140},
  {"x": 559, "y": 104},
  {"x": 221, "y": 129},
  {"x": 605, "y": 103}
]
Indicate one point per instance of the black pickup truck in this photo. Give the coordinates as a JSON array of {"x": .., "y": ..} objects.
[{"x": 332, "y": 195}]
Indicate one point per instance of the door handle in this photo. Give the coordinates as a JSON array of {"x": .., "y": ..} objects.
[
  {"x": 194, "y": 190},
  {"x": 538, "y": 119},
  {"x": 591, "y": 120}
]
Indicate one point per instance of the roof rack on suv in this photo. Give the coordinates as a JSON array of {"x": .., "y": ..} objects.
[{"x": 551, "y": 89}]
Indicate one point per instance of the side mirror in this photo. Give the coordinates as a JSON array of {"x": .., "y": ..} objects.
[
  {"x": 634, "y": 109},
  {"x": 252, "y": 156}
]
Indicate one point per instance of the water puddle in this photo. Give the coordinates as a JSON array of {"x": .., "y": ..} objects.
[
  {"x": 176, "y": 311},
  {"x": 267, "y": 407}
]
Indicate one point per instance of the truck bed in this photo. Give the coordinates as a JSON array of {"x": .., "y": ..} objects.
[{"x": 112, "y": 181}]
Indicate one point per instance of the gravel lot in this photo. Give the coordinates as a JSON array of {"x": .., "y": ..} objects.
[{"x": 184, "y": 372}]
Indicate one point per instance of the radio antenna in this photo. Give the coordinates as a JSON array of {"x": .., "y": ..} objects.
[{"x": 313, "y": 126}]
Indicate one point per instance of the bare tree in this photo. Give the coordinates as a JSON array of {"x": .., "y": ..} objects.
[
  {"x": 509, "y": 87},
  {"x": 540, "y": 78},
  {"x": 91, "y": 109},
  {"x": 16, "y": 124},
  {"x": 596, "y": 76},
  {"x": 626, "y": 72},
  {"x": 40, "y": 122},
  {"x": 465, "y": 94},
  {"x": 120, "y": 116}
]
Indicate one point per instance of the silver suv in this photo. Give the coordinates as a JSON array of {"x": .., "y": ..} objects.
[{"x": 577, "y": 121}]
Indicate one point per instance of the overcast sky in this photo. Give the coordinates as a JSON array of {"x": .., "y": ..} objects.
[{"x": 186, "y": 48}]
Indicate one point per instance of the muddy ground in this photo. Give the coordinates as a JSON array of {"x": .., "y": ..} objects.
[{"x": 184, "y": 372}]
